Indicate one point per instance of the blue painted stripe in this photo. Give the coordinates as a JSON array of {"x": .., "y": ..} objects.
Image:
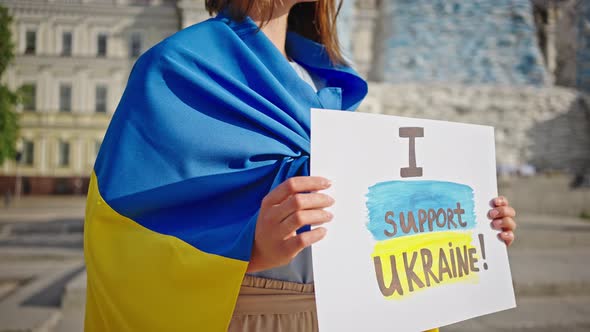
[{"x": 433, "y": 205}]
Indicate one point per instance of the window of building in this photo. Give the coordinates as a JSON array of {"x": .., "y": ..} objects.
[
  {"x": 28, "y": 153},
  {"x": 101, "y": 46},
  {"x": 64, "y": 154},
  {"x": 135, "y": 44},
  {"x": 101, "y": 99},
  {"x": 31, "y": 42},
  {"x": 65, "y": 97},
  {"x": 28, "y": 94},
  {"x": 66, "y": 43}
]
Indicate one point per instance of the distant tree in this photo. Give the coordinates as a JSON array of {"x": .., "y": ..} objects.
[{"x": 8, "y": 99}]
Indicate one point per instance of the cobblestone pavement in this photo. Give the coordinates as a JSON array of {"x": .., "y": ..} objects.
[
  {"x": 42, "y": 284},
  {"x": 40, "y": 255}
]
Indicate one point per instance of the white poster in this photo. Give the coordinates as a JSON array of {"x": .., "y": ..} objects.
[{"x": 410, "y": 247}]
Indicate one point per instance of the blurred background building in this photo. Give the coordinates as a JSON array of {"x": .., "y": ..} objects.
[
  {"x": 522, "y": 66},
  {"x": 72, "y": 61},
  {"x": 518, "y": 65}
]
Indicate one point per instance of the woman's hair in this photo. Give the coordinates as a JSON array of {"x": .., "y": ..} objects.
[{"x": 313, "y": 20}]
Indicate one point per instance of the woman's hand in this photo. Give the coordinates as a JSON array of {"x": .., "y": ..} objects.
[
  {"x": 288, "y": 207},
  {"x": 502, "y": 219}
]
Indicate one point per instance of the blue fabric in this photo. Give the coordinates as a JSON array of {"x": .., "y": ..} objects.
[{"x": 211, "y": 120}]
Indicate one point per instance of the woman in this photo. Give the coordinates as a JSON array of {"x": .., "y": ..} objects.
[{"x": 202, "y": 175}]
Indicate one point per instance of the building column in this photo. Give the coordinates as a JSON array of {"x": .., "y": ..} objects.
[
  {"x": 78, "y": 155},
  {"x": 80, "y": 102},
  {"x": 50, "y": 37},
  {"x": 365, "y": 18},
  {"x": 45, "y": 88},
  {"x": 381, "y": 31},
  {"x": 115, "y": 90},
  {"x": 191, "y": 12},
  {"x": 42, "y": 163},
  {"x": 550, "y": 49}
]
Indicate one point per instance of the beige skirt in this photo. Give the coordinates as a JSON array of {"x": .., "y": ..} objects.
[{"x": 274, "y": 305}]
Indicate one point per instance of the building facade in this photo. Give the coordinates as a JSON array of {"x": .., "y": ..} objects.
[
  {"x": 459, "y": 41},
  {"x": 73, "y": 58}
]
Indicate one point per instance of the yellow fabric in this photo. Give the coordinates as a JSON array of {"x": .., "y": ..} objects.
[{"x": 140, "y": 280}]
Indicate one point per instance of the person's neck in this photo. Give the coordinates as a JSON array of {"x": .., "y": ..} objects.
[{"x": 276, "y": 28}]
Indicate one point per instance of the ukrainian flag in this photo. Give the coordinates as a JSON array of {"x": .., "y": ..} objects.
[{"x": 211, "y": 120}]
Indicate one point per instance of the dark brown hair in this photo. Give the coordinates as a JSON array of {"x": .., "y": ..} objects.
[{"x": 313, "y": 20}]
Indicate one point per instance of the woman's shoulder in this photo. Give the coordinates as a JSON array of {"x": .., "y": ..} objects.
[
  {"x": 198, "y": 35},
  {"x": 199, "y": 39}
]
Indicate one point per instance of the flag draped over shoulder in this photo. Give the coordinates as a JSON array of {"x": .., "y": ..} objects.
[{"x": 211, "y": 120}]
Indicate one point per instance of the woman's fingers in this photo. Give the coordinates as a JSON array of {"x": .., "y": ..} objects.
[
  {"x": 291, "y": 205},
  {"x": 503, "y": 219},
  {"x": 295, "y": 244},
  {"x": 500, "y": 201},
  {"x": 302, "y": 218},
  {"x": 501, "y": 212},
  {"x": 293, "y": 186},
  {"x": 506, "y": 224},
  {"x": 507, "y": 237},
  {"x": 299, "y": 202}
]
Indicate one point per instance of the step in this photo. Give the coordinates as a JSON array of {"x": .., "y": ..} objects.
[
  {"x": 34, "y": 304},
  {"x": 534, "y": 314}
]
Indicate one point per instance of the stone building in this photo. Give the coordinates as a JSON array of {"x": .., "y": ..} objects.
[
  {"x": 458, "y": 41},
  {"x": 485, "y": 62},
  {"x": 72, "y": 61}
]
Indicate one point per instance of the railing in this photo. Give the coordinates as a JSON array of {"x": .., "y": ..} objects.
[{"x": 75, "y": 119}]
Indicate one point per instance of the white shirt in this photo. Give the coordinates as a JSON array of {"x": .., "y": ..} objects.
[{"x": 315, "y": 82}]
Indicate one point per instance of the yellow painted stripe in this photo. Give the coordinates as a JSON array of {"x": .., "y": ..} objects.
[
  {"x": 437, "y": 244},
  {"x": 140, "y": 280}
]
